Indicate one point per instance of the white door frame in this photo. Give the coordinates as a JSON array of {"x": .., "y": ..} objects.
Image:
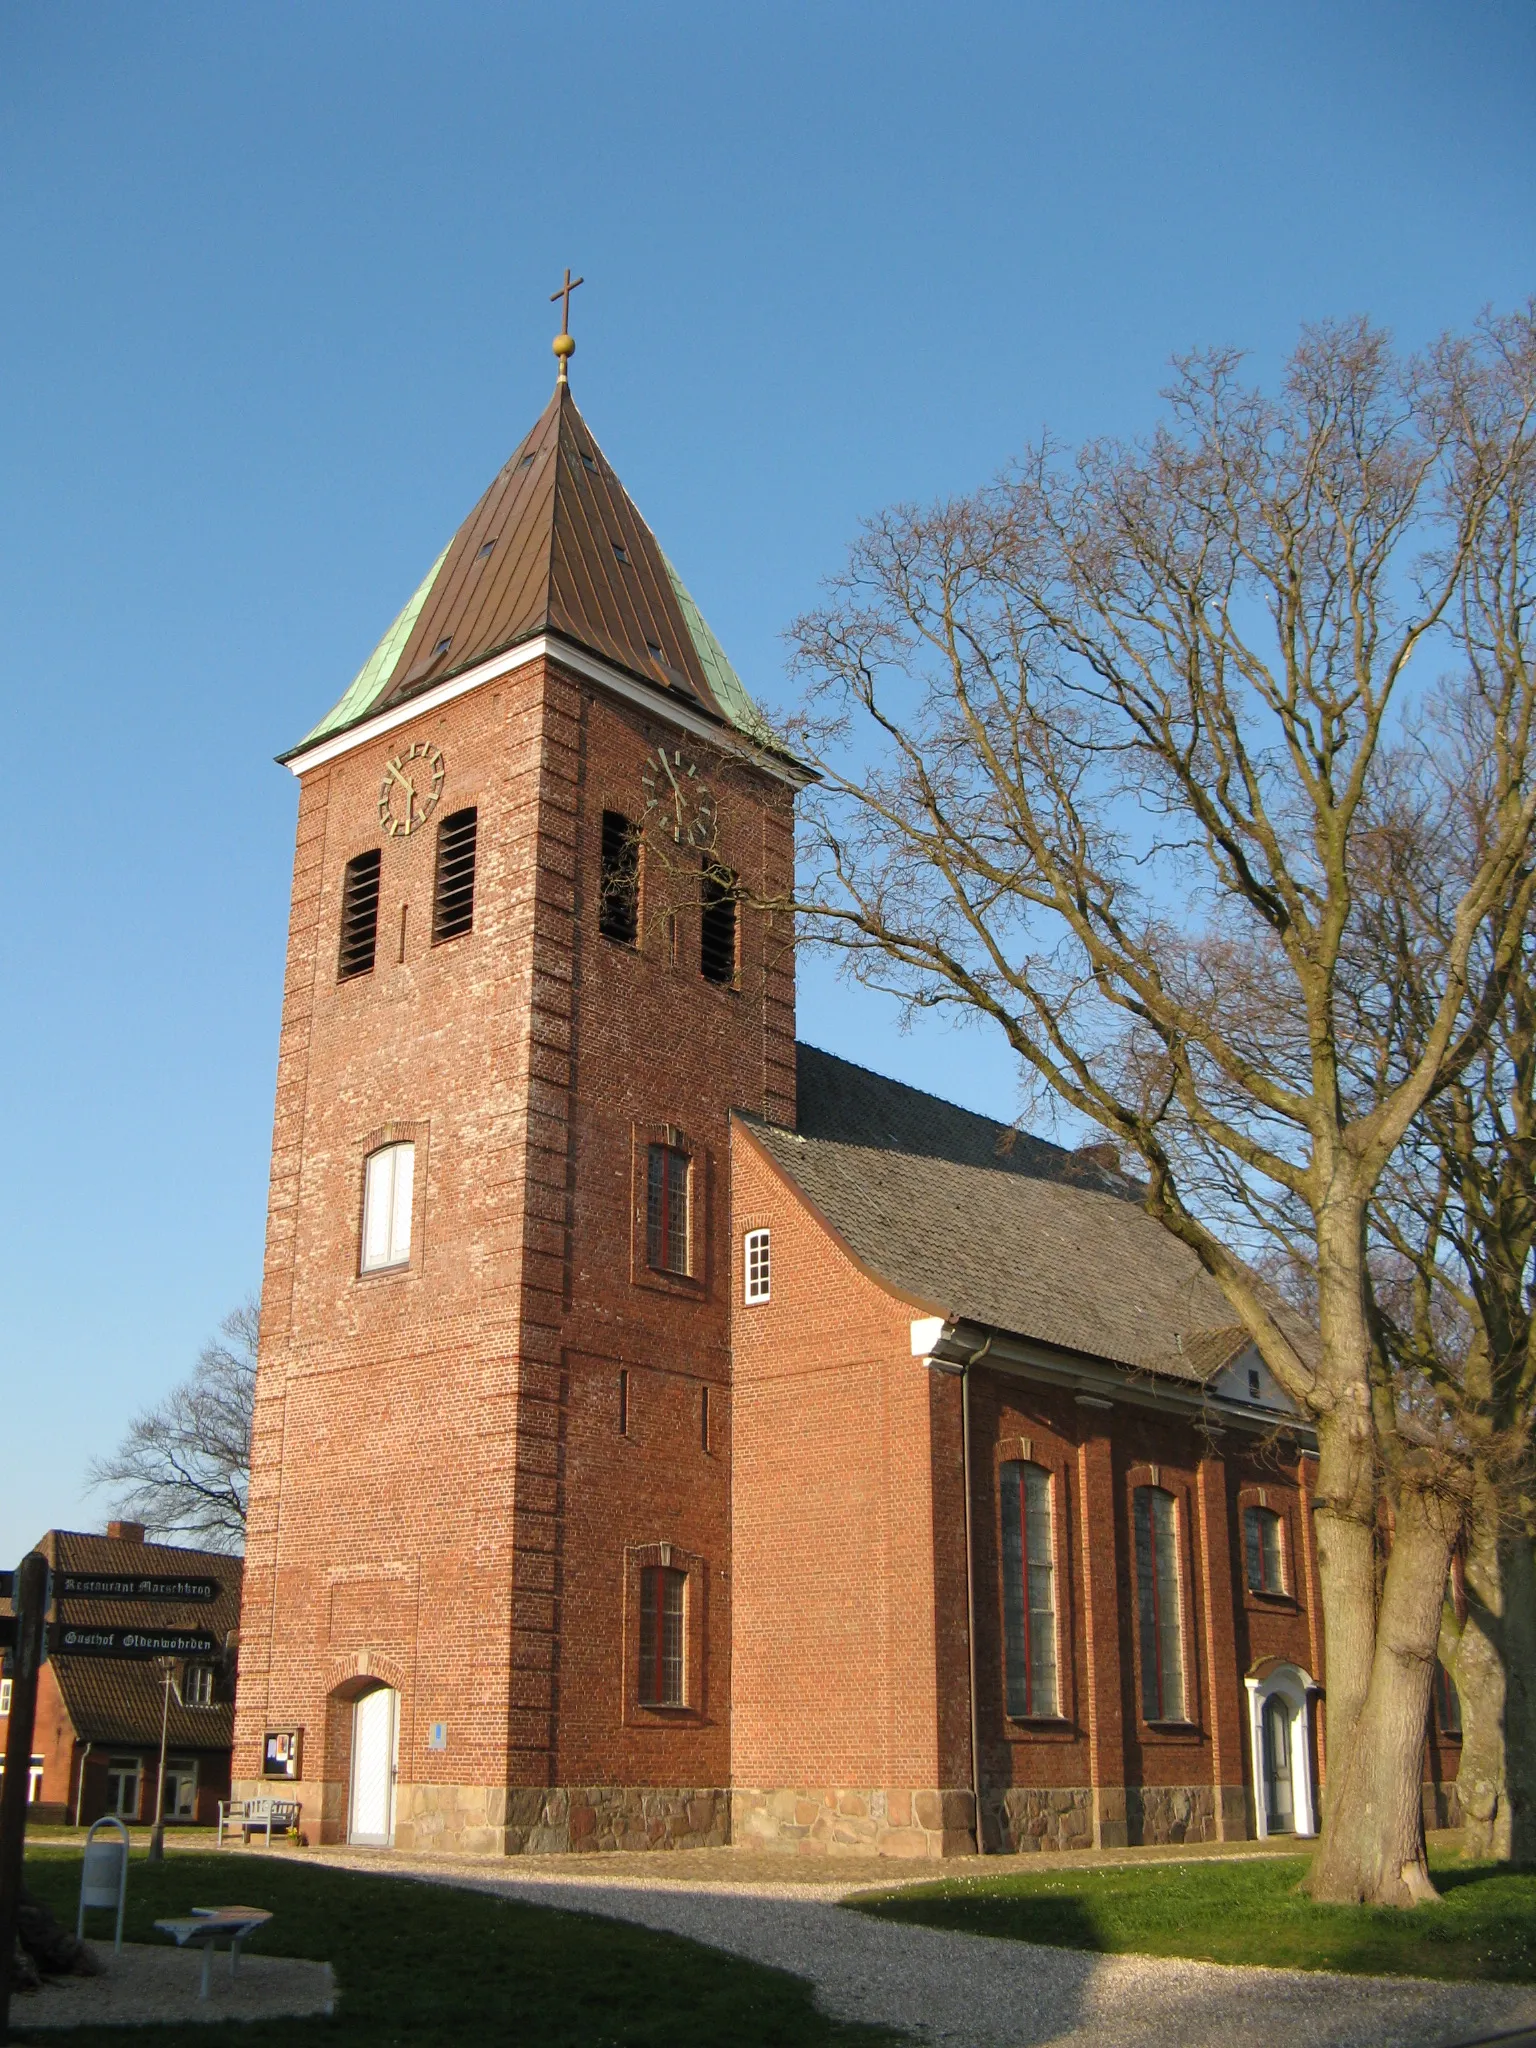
[
  {"x": 387, "y": 1839},
  {"x": 1292, "y": 1685}
]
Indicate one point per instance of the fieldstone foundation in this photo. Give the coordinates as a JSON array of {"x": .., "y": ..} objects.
[
  {"x": 553, "y": 1820},
  {"x": 1025, "y": 1818},
  {"x": 854, "y": 1820},
  {"x": 1171, "y": 1813}
]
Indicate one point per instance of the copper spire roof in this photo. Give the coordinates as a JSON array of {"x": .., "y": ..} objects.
[{"x": 554, "y": 546}]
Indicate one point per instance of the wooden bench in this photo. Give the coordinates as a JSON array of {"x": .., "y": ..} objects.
[{"x": 257, "y": 1816}]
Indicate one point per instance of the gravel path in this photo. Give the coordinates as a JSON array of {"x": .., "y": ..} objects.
[
  {"x": 967, "y": 1991},
  {"x": 153, "y": 1985}
]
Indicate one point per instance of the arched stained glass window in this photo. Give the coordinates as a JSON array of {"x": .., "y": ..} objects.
[
  {"x": 1029, "y": 1591},
  {"x": 1159, "y": 1605}
]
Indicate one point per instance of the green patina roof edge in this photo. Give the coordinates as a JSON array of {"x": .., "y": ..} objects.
[
  {"x": 730, "y": 691},
  {"x": 376, "y": 673},
  {"x": 374, "y": 677}
]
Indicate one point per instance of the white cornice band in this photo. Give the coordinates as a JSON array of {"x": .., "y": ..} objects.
[{"x": 614, "y": 680}]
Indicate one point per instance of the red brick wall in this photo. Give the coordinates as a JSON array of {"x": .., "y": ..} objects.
[
  {"x": 848, "y": 1513},
  {"x": 53, "y": 1739},
  {"x": 836, "y": 1676},
  {"x": 439, "y": 1493},
  {"x": 1098, "y": 1455}
]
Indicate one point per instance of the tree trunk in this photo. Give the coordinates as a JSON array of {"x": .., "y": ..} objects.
[
  {"x": 1492, "y": 1658},
  {"x": 1345, "y": 1503},
  {"x": 1372, "y": 1850}
]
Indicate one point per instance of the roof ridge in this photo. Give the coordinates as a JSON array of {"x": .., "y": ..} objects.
[
  {"x": 134, "y": 1543},
  {"x": 563, "y": 399},
  {"x": 927, "y": 1095}
]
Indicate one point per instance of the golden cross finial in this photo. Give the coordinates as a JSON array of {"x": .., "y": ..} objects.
[{"x": 564, "y": 346}]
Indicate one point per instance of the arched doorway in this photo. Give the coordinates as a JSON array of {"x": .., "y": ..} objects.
[
  {"x": 1281, "y": 1750},
  {"x": 375, "y": 1759}
]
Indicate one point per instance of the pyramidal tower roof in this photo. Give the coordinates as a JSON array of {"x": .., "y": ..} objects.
[{"x": 554, "y": 546}]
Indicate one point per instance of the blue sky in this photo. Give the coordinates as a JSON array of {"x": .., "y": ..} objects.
[{"x": 276, "y": 310}]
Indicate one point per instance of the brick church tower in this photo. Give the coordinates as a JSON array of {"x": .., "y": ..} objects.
[{"x": 489, "y": 1527}]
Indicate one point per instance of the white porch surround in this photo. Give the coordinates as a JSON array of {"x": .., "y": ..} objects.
[{"x": 1288, "y": 1683}]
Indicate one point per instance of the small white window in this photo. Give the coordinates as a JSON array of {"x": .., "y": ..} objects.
[
  {"x": 5, "y": 1696},
  {"x": 387, "y": 1207},
  {"x": 756, "y": 1264},
  {"x": 197, "y": 1685}
]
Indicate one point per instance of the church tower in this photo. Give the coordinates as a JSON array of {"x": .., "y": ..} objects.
[{"x": 487, "y": 1595}]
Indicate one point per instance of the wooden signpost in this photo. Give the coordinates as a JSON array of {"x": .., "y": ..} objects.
[
  {"x": 27, "y": 1636},
  {"x": 29, "y": 1595}
]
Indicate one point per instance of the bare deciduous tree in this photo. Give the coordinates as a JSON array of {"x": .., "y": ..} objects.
[
  {"x": 183, "y": 1469},
  {"x": 1456, "y": 1217},
  {"x": 1096, "y": 747},
  {"x": 1452, "y": 1239}
]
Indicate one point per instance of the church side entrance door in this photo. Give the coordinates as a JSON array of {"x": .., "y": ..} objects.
[
  {"x": 375, "y": 1745},
  {"x": 1277, "y": 1765}
]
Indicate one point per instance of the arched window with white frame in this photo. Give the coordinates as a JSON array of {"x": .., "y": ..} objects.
[
  {"x": 756, "y": 1264},
  {"x": 388, "y": 1183}
]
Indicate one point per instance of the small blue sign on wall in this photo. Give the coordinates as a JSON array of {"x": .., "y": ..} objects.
[{"x": 437, "y": 1735}]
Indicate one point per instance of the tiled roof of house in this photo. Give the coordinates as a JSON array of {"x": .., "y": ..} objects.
[
  {"x": 110, "y": 1701},
  {"x": 555, "y": 545},
  {"x": 976, "y": 1221}
]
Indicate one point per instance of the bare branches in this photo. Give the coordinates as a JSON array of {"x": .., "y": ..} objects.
[
  {"x": 183, "y": 1468},
  {"x": 1099, "y": 747}
]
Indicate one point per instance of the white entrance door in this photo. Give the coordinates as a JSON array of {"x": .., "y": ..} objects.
[
  {"x": 1277, "y": 1764},
  {"x": 375, "y": 1734}
]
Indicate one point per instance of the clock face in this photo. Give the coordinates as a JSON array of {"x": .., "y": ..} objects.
[
  {"x": 675, "y": 796},
  {"x": 412, "y": 784}
]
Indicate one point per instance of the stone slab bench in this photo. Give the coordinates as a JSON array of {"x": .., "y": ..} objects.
[{"x": 208, "y": 1926}]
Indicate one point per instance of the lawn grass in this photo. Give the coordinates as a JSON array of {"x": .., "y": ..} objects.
[
  {"x": 1241, "y": 1912},
  {"x": 422, "y": 1965}
]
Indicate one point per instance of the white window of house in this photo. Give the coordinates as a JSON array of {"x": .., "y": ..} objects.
[
  {"x": 180, "y": 1787},
  {"x": 387, "y": 1184},
  {"x": 5, "y": 1697},
  {"x": 197, "y": 1686},
  {"x": 125, "y": 1775},
  {"x": 755, "y": 1260},
  {"x": 34, "y": 1779}
]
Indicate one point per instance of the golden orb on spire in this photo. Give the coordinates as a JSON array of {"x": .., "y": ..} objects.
[{"x": 564, "y": 344}]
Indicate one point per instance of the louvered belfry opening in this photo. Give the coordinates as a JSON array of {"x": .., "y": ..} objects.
[
  {"x": 359, "y": 915},
  {"x": 618, "y": 915},
  {"x": 717, "y": 927},
  {"x": 453, "y": 897}
]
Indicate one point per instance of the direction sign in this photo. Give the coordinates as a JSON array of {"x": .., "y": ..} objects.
[
  {"x": 131, "y": 1586},
  {"x": 68, "y": 1639}
]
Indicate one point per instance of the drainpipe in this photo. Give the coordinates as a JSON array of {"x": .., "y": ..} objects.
[
  {"x": 85, "y": 1757},
  {"x": 970, "y": 1586}
]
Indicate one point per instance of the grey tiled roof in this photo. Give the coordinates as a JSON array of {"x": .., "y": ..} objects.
[
  {"x": 976, "y": 1221},
  {"x": 119, "y": 1702}
]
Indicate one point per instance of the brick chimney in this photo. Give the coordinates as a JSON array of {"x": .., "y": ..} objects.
[
  {"x": 126, "y": 1532},
  {"x": 1101, "y": 1155}
]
